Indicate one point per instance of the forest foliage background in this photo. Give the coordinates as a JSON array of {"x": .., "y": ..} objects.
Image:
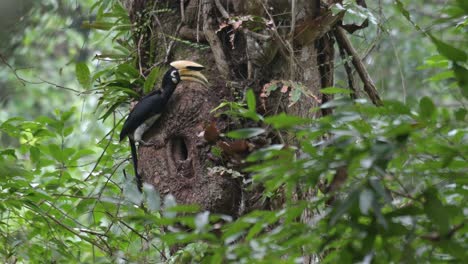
[{"x": 66, "y": 69}]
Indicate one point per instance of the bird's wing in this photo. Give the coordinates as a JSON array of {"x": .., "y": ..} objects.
[
  {"x": 143, "y": 110},
  {"x": 154, "y": 92}
]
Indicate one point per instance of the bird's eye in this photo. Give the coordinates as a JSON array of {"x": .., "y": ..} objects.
[{"x": 174, "y": 77}]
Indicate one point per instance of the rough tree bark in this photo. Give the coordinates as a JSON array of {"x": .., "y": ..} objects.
[{"x": 294, "y": 48}]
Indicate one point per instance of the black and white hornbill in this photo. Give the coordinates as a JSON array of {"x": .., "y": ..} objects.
[{"x": 150, "y": 107}]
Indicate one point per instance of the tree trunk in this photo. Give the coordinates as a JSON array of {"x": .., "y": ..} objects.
[{"x": 284, "y": 43}]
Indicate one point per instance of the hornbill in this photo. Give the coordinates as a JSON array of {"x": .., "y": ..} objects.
[{"x": 150, "y": 107}]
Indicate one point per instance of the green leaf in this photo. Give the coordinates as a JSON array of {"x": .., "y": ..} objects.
[
  {"x": 449, "y": 51},
  {"x": 335, "y": 103},
  {"x": 153, "y": 198},
  {"x": 131, "y": 192},
  {"x": 461, "y": 74},
  {"x": 151, "y": 79},
  {"x": 401, "y": 8},
  {"x": 365, "y": 200},
  {"x": 380, "y": 190},
  {"x": 408, "y": 210},
  {"x": 251, "y": 115},
  {"x": 265, "y": 153},
  {"x": 100, "y": 25},
  {"x": 460, "y": 114},
  {"x": 463, "y": 4},
  {"x": 125, "y": 90},
  {"x": 109, "y": 111},
  {"x": 426, "y": 107},
  {"x": 295, "y": 95},
  {"x": 283, "y": 120},
  {"x": 35, "y": 154},
  {"x": 335, "y": 90},
  {"x": 442, "y": 76},
  {"x": 56, "y": 152},
  {"x": 202, "y": 220},
  {"x": 455, "y": 249},
  {"x": 344, "y": 206},
  {"x": 128, "y": 70},
  {"x": 378, "y": 214},
  {"x": 68, "y": 131},
  {"x": 110, "y": 56},
  {"x": 12, "y": 170},
  {"x": 435, "y": 210},
  {"x": 82, "y": 153},
  {"x": 251, "y": 103},
  {"x": 245, "y": 133},
  {"x": 436, "y": 62},
  {"x": 83, "y": 75},
  {"x": 8, "y": 152},
  {"x": 65, "y": 116}
]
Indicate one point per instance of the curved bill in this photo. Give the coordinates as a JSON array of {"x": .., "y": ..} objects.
[
  {"x": 190, "y": 71},
  {"x": 188, "y": 65},
  {"x": 193, "y": 76}
]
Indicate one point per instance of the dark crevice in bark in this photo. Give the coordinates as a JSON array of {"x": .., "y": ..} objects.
[
  {"x": 349, "y": 73},
  {"x": 179, "y": 149},
  {"x": 325, "y": 61}
]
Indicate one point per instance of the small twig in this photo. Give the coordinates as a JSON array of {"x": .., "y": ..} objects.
[
  {"x": 293, "y": 18},
  {"x": 405, "y": 195},
  {"x": 142, "y": 237},
  {"x": 22, "y": 81},
  {"x": 111, "y": 135},
  {"x": 213, "y": 40},
  {"x": 283, "y": 43},
  {"x": 69, "y": 229},
  {"x": 256, "y": 35},
  {"x": 435, "y": 237},
  {"x": 182, "y": 11},
  {"x": 291, "y": 40},
  {"x": 74, "y": 196},
  {"x": 171, "y": 44},
  {"x": 156, "y": 19},
  {"x": 92, "y": 232},
  {"x": 349, "y": 73},
  {"x": 402, "y": 77},
  {"x": 369, "y": 86},
  {"x": 198, "y": 19},
  {"x": 221, "y": 9},
  {"x": 140, "y": 66},
  {"x": 60, "y": 87}
]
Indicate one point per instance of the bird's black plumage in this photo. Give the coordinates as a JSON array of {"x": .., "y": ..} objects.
[
  {"x": 151, "y": 104},
  {"x": 148, "y": 108}
]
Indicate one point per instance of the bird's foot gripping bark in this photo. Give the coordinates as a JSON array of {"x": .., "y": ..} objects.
[{"x": 157, "y": 144}]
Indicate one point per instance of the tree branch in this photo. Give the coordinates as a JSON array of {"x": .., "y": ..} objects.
[
  {"x": 213, "y": 40},
  {"x": 369, "y": 86},
  {"x": 12, "y": 69},
  {"x": 221, "y": 9},
  {"x": 349, "y": 73},
  {"x": 435, "y": 237}
]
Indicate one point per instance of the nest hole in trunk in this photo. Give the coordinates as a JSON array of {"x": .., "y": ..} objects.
[
  {"x": 179, "y": 149},
  {"x": 180, "y": 157}
]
